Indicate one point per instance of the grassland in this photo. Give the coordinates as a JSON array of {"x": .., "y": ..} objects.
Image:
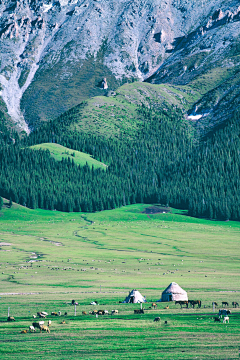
[
  {"x": 52, "y": 258},
  {"x": 58, "y": 152},
  {"x": 117, "y": 114}
]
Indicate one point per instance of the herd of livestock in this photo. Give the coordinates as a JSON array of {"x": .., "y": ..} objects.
[{"x": 43, "y": 327}]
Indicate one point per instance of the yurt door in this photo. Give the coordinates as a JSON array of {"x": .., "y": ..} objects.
[{"x": 169, "y": 297}]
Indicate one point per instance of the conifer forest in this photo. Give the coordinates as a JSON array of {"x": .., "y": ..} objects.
[{"x": 165, "y": 163}]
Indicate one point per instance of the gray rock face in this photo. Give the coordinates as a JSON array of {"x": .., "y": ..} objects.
[{"x": 53, "y": 53}]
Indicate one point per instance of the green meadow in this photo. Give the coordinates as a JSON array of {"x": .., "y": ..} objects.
[
  {"x": 59, "y": 152},
  {"x": 49, "y": 258}
]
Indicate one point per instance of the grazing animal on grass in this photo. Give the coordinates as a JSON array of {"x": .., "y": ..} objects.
[
  {"x": 139, "y": 311},
  {"x": 65, "y": 313},
  {"x": 41, "y": 315},
  {"x": 11, "y": 318},
  {"x": 24, "y": 332},
  {"x": 181, "y": 303},
  {"x": 59, "y": 313},
  {"x": 224, "y": 303},
  {"x": 167, "y": 307},
  {"x": 154, "y": 305},
  {"x": 114, "y": 312},
  {"x": 45, "y": 328},
  {"x": 54, "y": 313},
  {"x": 63, "y": 322},
  {"x": 100, "y": 312},
  {"x": 224, "y": 312},
  {"x": 165, "y": 322},
  {"x": 44, "y": 313},
  {"x": 195, "y": 302},
  {"x": 84, "y": 313},
  {"x": 49, "y": 323},
  {"x": 105, "y": 312},
  {"x": 214, "y": 303},
  {"x": 34, "y": 316},
  {"x": 32, "y": 328},
  {"x": 217, "y": 319},
  {"x": 235, "y": 304},
  {"x": 225, "y": 319},
  {"x": 157, "y": 318},
  {"x": 38, "y": 325}
]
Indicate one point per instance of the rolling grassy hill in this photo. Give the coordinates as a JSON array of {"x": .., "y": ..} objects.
[
  {"x": 117, "y": 115},
  {"x": 58, "y": 152}
]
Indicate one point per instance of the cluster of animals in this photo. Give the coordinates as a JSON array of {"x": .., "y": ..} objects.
[
  {"x": 223, "y": 313},
  {"x": 225, "y": 303},
  {"x": 189, "y": 302},
  {"x": 199, "y": 303},
  {"x": 100, "y": 312},
  {"x": 42, "y": 327},
  {"x": 40, "y": 324}
]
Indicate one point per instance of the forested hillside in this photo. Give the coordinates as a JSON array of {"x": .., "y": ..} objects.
[{"x": 164, "y": 163}]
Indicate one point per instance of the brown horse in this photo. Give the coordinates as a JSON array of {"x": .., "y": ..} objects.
[
  {"x": 182, "y": 302},
  {"x": 224, "y": 303},
  {"x": 195, "y": 302}
]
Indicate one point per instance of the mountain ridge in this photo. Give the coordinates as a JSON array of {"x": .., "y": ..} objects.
[{"x": 54, "y": 53}]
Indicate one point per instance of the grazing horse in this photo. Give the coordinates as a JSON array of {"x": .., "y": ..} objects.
[
  {"x": 235, "y": 304},
  {"x": 195, "y": 302},
  {"x": 214, "y": 303},
  {"x": 181, "y": 303},
  {"x": 139, "y": 311},
  {"x": 224, "y": 303}
]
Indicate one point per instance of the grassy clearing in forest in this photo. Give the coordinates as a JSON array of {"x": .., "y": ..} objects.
[
  {"x": 74, "y": 254},
  {"x": 58, "y": 152}
]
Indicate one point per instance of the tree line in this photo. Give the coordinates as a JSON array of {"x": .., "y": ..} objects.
[{"x": 165, "y": 163}]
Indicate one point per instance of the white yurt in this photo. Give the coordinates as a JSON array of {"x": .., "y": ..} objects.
[
  {"x": 174, "y": 292},
  {"x": 134, "y": 297}
]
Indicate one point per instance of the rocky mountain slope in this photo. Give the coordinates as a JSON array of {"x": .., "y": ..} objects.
[{"x": 54, "y": 54}]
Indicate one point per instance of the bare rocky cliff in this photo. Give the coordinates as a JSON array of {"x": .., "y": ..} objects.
[{"x": 55, "y": 53}]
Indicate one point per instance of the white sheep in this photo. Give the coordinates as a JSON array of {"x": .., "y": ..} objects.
[{"x": 32, "y": 328}]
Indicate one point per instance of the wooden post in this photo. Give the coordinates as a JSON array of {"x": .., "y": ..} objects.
[
  {"x": 8, "y": 311},
  {"x": 75, "y": 313},
  {"x": 213, "y": 305}
]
